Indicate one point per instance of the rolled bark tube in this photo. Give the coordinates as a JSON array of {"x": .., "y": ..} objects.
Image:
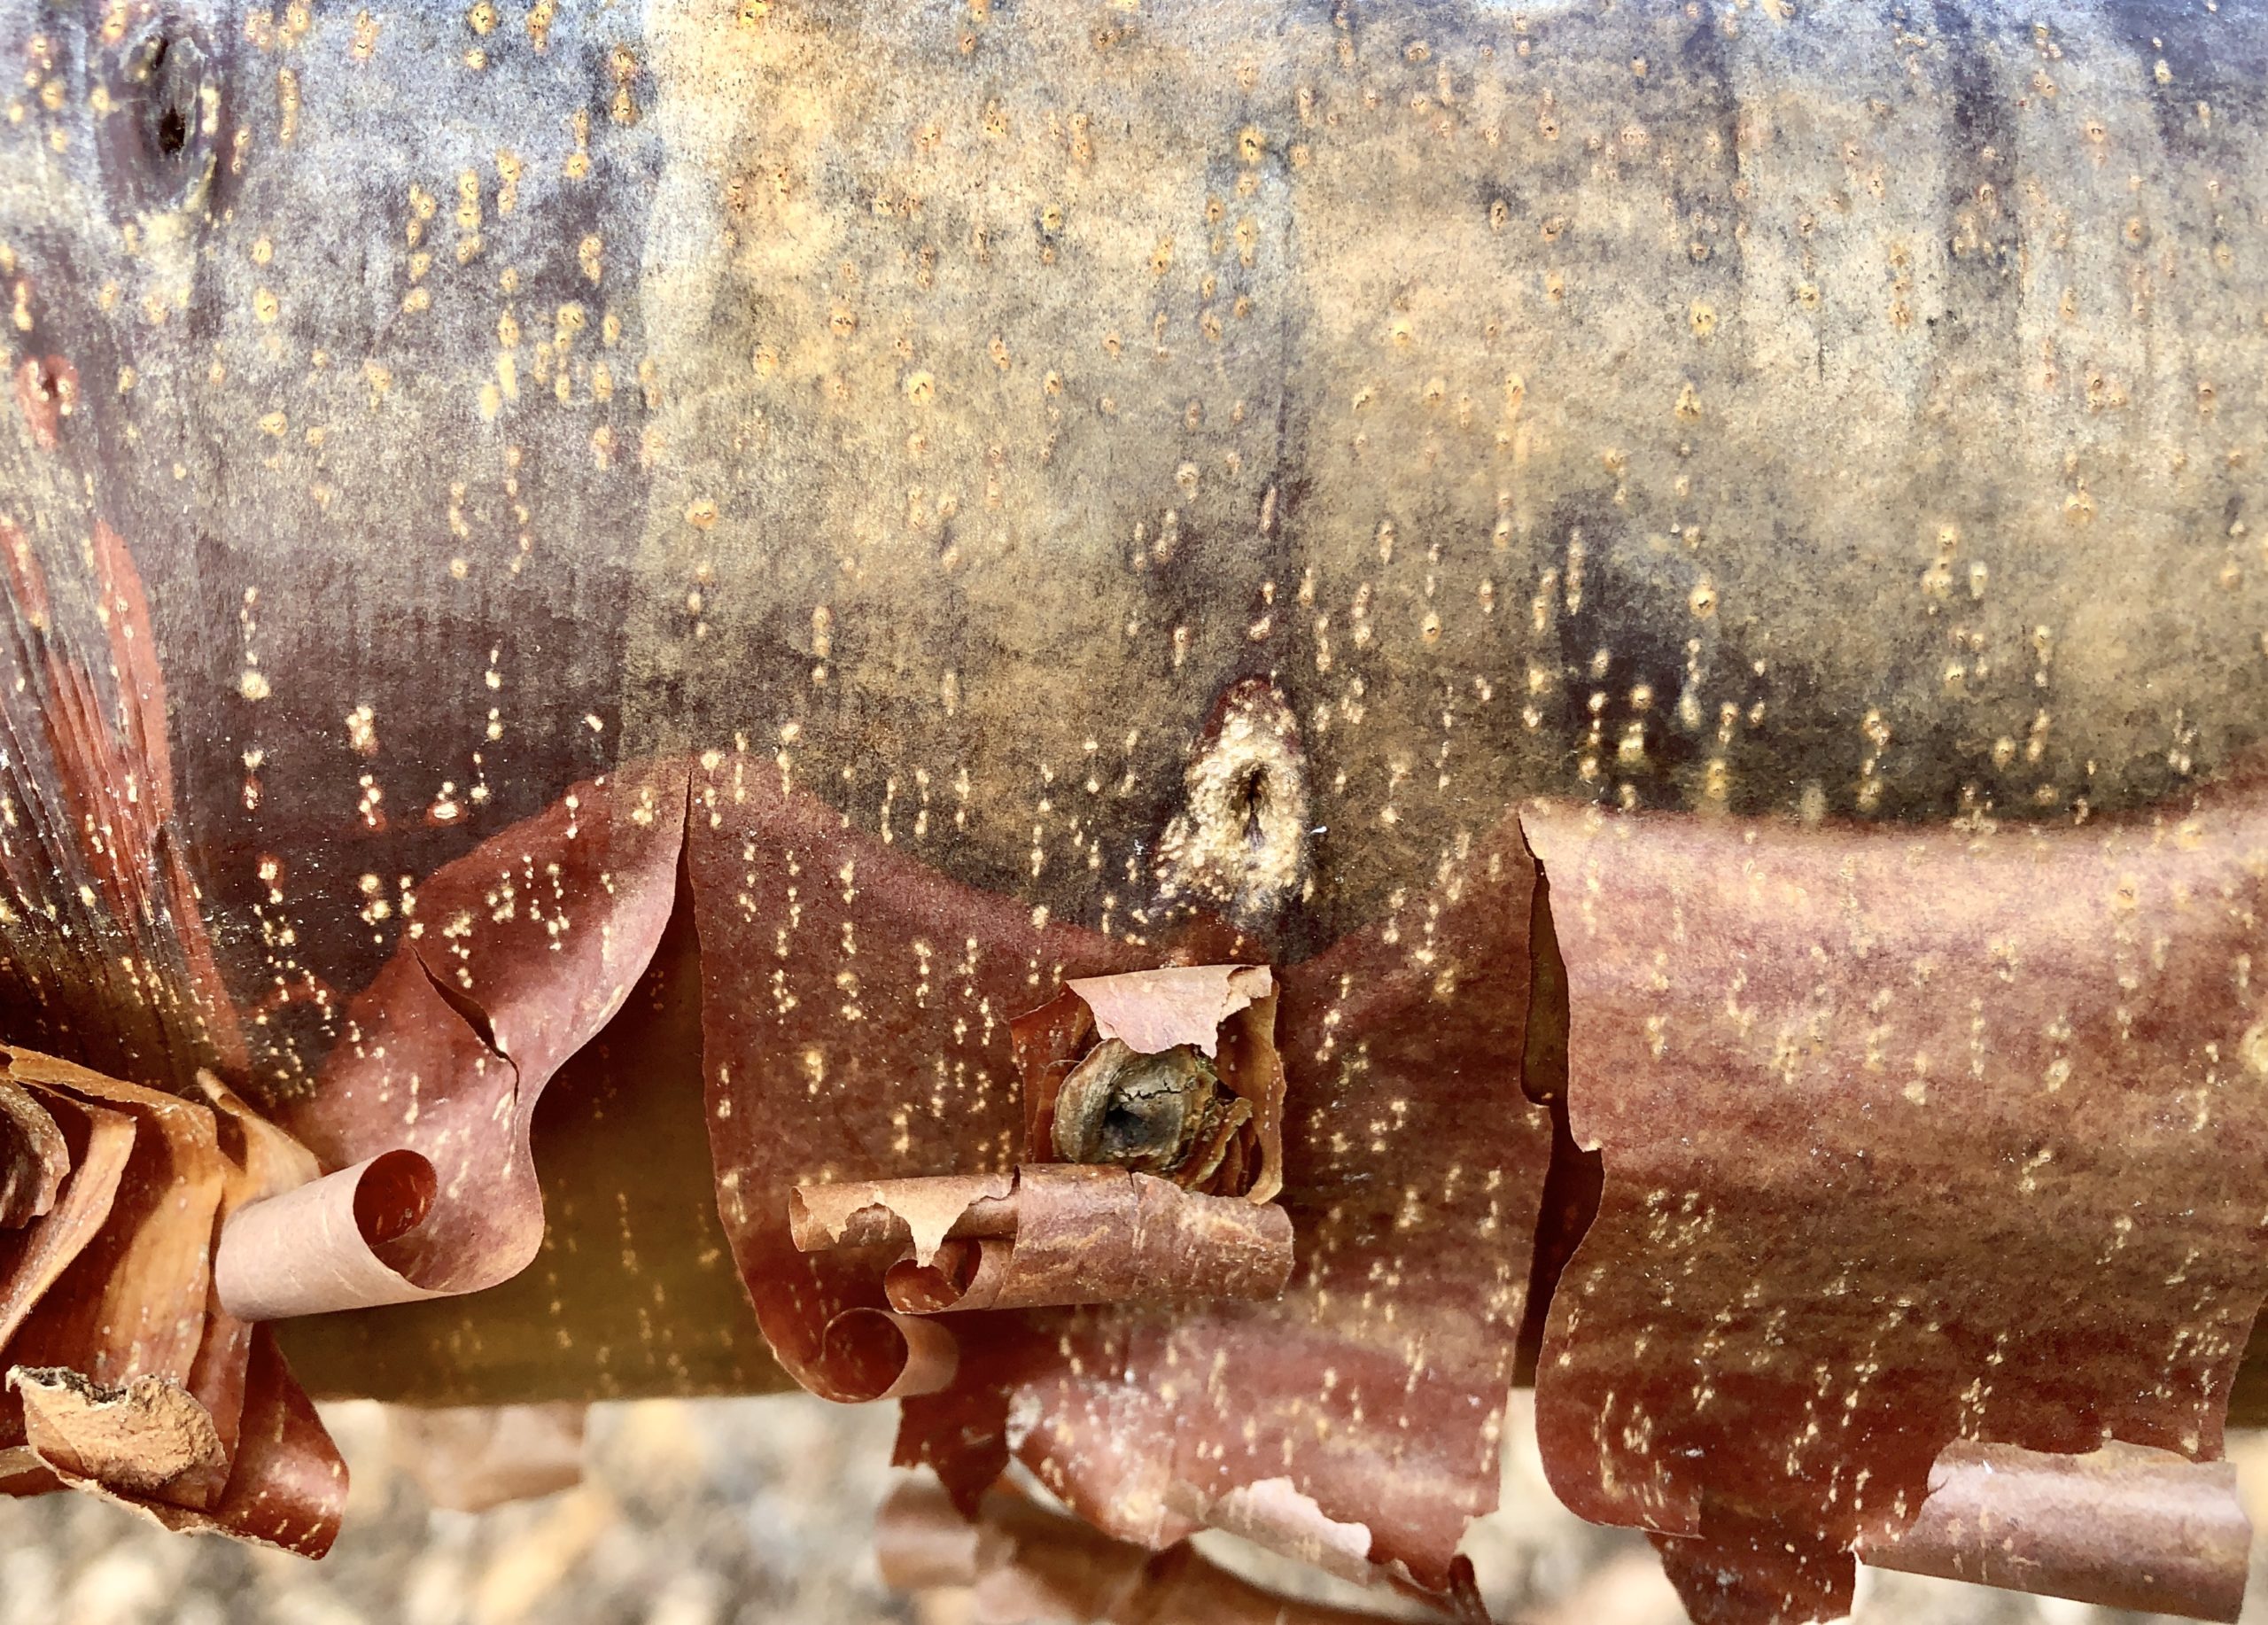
[
  {"x": 1060, "y": 1234},
  {"x": 322, "y": 1247}
]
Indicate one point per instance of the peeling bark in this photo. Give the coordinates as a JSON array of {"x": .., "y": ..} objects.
[{"x": 1855, "y": 1209}]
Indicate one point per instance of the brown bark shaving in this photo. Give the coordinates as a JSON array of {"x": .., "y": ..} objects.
[
  {"x": 145, "y": 1436},
  {"x": 125, "y": 1376},
  {"x": 866, "y": 999},
  {"x": 1052, "y": 1234},
  {"x": 2122, "y": 1526},
  {"x": 1907, "y": 1139},
  {"x": 1026, "y": 1564}
]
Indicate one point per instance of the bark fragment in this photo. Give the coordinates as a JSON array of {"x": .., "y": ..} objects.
[
  {"x": 141, "y": 1437},
  {"x": 1155, "y": 1010}
]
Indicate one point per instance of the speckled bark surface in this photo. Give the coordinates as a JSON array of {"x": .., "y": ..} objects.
[{"x": 1149, "y": 471}]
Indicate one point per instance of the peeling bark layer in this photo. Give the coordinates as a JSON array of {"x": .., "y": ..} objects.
[
  {"x": 867, "y": 1000},
  {"x": 1907, "y": 1140}
]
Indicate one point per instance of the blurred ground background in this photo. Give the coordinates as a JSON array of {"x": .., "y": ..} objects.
[{"x": 748, "y": 1511}]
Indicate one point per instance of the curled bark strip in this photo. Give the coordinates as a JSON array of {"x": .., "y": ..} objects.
[
  {"x": 127, "y": 1376},
  {"x": 1102, "y": 1235},
  {"x": 518, "y": 953},
  {"x": 871, "y": 1212},
  {"x": 471, "y": 1457},
  {"x": 33, "y": 1157},
  {"x": 1906, "y": 1139},
  {"x": 1155, "y": 1010},
  {"x": 323, "y": 1247},
  {"x": 1027, "y": 1564},
  {"x": 873, "y": 1354},
  {"x": 2124, "y": 1526}
]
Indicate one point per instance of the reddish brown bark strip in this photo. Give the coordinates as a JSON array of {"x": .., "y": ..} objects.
[
  {"x": 515, "y": 955},
  {"x": 1908, "y": 1137},
  {"x": 2122, "y": 1526}
]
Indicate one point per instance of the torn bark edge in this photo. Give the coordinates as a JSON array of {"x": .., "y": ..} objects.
[
  {"x": 1227, "y": 1011},
  {"x": 2124, "y": 1526},
  {"x": 1049, "y": 1235},
  {"x": 323, "y": 1246},
  {"x": 1151, "y": 1011}
]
